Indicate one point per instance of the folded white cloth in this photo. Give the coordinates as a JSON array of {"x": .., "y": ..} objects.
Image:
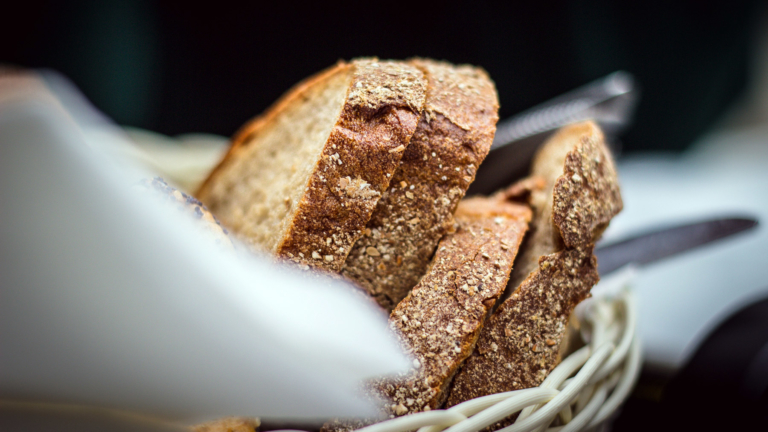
[{"x": 111, "y": 299}]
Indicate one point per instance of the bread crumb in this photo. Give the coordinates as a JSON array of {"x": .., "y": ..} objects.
[
  {"x": 372, "y": 251},
  {"x": 409, "y": 195},
  {"x": 403, "y": 184},
  {"x": 316, "y": 255},
  {"x": 329, "y": 258},
  {"x": 398, "y": 149}
]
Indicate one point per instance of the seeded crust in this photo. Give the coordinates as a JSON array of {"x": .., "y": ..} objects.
[
  {"x": 377, "y": 120},
  {"x": 439, "y": 321},
  {"x": 229, "y": 424},
  {"x": 520, "y": 344},
  {"x": 575, "y": 196},
  {"x": 189, "y": 204},
  {"x": 453, "y": 137}
]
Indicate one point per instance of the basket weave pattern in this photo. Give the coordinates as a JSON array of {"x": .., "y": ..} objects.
[{"x": 581, "y": 393}]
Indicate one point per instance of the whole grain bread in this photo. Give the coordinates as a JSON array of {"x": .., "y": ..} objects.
[
  {"x": 302, "y": 180},
  {"x": 556, "y": 269},
  {"x": 453, "y": 137},
  {"x": 440, "y": 320}
]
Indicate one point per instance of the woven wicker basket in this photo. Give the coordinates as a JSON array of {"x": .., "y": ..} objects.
[{"x": 581, "y": 394}]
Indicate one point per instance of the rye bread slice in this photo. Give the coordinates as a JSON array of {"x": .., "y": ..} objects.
[
  {"x": 556, "y": 269},
  {"x": 301, "y": 181},
  {"x": 452, "y": 138},
  {"x": 439, "y": 321}
]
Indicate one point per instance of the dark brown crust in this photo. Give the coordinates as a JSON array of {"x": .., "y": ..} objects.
[
  {"x": 376, "y": 123},
  {"x": 519, "y": 345},
  {"x": 439, "y": 322},
  {"x": 556, "y": 269},
  {"x": 453, "y": 137},
  {"x": 587, "y": 195}
]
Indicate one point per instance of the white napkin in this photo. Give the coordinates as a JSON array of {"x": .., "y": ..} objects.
[{"x": 110, "y": 299}]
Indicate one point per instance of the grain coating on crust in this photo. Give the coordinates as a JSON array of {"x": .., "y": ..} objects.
[
  {"x": 452, "y": 138},
  {"x": 587, "y": 195},
  {"x": 439, "y": 321},
  {"x": 519, "y": 345},
  {"x": 378, "y": 117},
  {"x": 579, "y": 194}
]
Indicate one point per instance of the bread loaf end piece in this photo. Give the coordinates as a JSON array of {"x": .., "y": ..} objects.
[
  {"x": 556, "y": 270},
  {"x": 578, "y": 196},
  {"x": 439, "y": 322},
  {"x": 452, "y": 138},
  {"x": 302, "y": 180}
]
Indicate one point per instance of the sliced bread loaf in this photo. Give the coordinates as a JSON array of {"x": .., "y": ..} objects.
[
  {"x": 519, "y": 345},
  {"x": 302, "y": 180},
  {"x": 452, "y": 138}
]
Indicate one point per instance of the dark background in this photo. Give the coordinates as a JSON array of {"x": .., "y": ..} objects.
[{"x": 177, "y": 67}]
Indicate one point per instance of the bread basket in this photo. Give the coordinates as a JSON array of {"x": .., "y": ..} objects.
[{"x": 581, "y": 394}]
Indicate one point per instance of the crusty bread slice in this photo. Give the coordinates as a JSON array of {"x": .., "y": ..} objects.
[
  {"x": 439, "y": 321},
  {"x": 520, "y": 343},
  {"x": 453, "y": 137},
  {"x": 302, "y": 180}
]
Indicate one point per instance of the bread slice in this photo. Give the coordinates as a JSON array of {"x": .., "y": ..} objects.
[
  {"x": 302, "y": 180},
  {"x": 439, "y": 321},
  {"x": 556, "y": 270},
  {"x": 452, "y": 138}
]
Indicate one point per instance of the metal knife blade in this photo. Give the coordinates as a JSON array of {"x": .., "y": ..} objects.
[
  {"x": 610, "y": 101},
  {"x": 655, "y": 245}
]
